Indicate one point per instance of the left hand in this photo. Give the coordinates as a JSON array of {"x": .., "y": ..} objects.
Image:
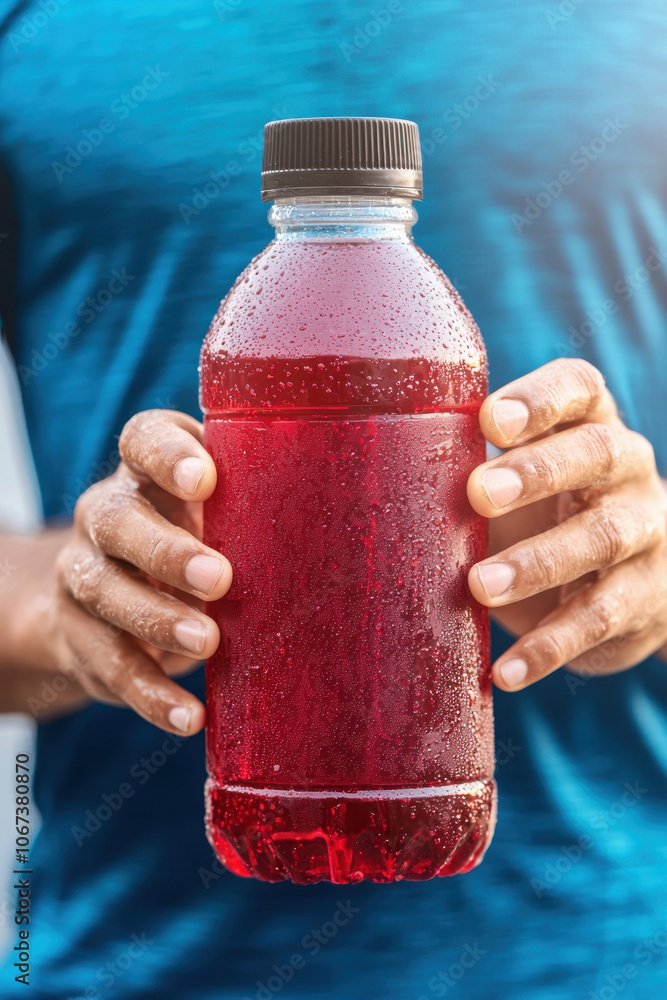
[{"x": 578, "y": 530}]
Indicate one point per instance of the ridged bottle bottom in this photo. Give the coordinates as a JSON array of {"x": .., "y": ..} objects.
[{"x": 380, "y": 836}]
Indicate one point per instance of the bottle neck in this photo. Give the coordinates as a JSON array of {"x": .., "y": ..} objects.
[{"x": 343, "y": 217}]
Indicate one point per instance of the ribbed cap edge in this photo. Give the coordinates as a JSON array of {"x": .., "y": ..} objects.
[{"x": 341, "y": 156}]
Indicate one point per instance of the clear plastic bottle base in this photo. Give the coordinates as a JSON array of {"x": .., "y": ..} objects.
[{"x": 387, "y": 835}]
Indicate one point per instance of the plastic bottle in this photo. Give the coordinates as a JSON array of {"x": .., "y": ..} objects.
[{"x": 350, "y": 731}]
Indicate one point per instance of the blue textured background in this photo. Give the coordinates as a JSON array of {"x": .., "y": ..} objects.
[{"x": 225, "y": 69}]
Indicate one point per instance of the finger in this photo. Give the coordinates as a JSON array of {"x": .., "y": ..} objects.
[
  {"x": 615, "y": 605},
  {"x": 561, "y": 391},
  {"x": 621, "y": 652},
  {"x": 123, "y": 524},
  {"x": 590, "y": 457},
  {"x": 137, "y": 681},
  {"x": 112, "y": 668},
  {"x": 188, "y": 515},
  {"x": 173, "y": 664},
  {"x": 594, "y": 539},
  {"x": 165, "y": 446},
  {"x": 108, "y": 591},
  {"x": 94, "y": 688}
]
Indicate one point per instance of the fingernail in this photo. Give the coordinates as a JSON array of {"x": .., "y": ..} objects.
[
  {"x": 187, "y": 474},
  {"x": 203, "y": 572},
  {"x": 190, "y": 635},
  {"x": 496, "y": 578},
  {"x": 502, "y": 486},
  {"x": 514, "y": 672},
  {"x": 510, "y": 417},
  {"x": 179, "y": 718}
]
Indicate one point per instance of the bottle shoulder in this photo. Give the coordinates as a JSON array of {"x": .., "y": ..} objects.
[
  {"x": 384, "y": 309},
  {"x": 343, "y": 294}
]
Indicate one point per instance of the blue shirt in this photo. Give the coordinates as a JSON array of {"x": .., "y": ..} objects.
[{"x": 130, "y": 143}]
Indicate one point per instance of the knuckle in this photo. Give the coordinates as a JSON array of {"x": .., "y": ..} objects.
[
  {"x": 117, "y": 671},
  {"x": 565, "y": 377},
  {"x": 552, "y": 398},
  {"x": 91, "y": 506},
  {"x": 551, "y": 648},
  {"x": 142, "y": 425},
  {"x": 550, "y": 562},
  {"x": 588, "y": 380},
  {"x": 87, "y": 577},
  {"x": 658, "y": 526},
  {"x": 160, "y": 553},
  {"x": 603, "y": 447},
  {"x": 642, "y": 451},
  {"x": 84, "y": 506},
  {"x": 605, "y": 616},
  {"x": 103, "y": 515},
  {"x": 122, "y": 664},
  {"x": 153, "y": 618},
  {"x": 609, "y": 536},
  {"x": 124, "y": 674},
  {"x": 542, "y": 467},
  {"x": 130, "y": 431}
]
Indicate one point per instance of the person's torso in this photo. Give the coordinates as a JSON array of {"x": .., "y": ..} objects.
[{"x": 132, "y": 139}]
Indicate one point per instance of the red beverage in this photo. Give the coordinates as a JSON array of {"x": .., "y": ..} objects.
[{"x": 350, "y": 731}]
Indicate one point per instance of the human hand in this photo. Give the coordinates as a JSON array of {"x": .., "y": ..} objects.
[
  {"x": 131, "y": 579},
  {"x": 578, "y": 565}
]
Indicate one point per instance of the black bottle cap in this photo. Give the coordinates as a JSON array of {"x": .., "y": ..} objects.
[{"x": 339, "y": 156}]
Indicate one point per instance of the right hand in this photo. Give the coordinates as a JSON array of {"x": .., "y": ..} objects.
[{"x": 131, "y": 581}]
